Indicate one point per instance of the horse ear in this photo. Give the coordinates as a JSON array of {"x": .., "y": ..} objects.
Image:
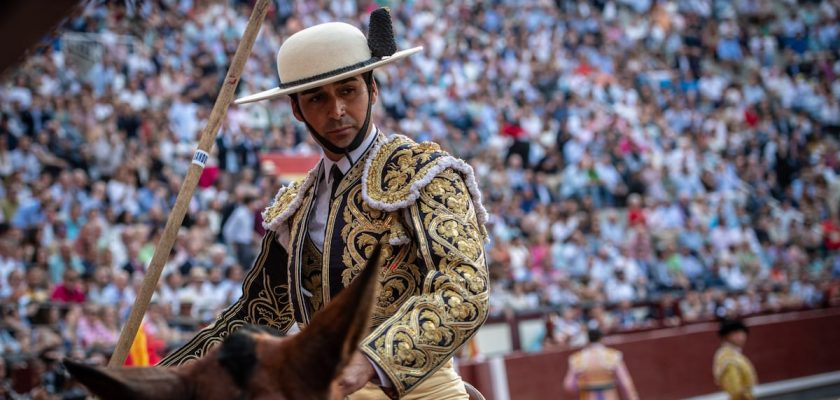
[
  {"x": 130, "y": 383},
  {"x": 333, "y": 335}
]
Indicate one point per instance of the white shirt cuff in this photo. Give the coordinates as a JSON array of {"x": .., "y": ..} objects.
[{"x": 381, "y": 376}]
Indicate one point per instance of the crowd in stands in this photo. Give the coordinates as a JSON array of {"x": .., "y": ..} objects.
[{"x": 645, "y": 163}]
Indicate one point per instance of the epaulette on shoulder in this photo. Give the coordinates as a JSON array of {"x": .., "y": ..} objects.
[
  {"x": 613, "y": 356},
  {"x": 399, "y": 168},
  {"x": 287, "y": 201},
  {"x": 576, "y": 360}
]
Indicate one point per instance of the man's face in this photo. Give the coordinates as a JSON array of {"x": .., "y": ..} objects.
[
  {"x": 336, "y": 110},
  {"x": 738, "y": 338}
]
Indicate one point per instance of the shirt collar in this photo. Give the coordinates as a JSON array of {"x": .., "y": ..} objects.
[{"x": 343, "y": 164}]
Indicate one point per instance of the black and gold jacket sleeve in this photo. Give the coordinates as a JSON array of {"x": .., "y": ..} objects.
[
  {"x": 264, "y": 302},
  {"x": 435, "y": 287}
]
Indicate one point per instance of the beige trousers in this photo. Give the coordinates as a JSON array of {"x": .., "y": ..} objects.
[{"x": 445, "y": 384}]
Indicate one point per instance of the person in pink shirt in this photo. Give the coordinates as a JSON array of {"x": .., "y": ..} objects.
[
  {"x": 97, "y": 326},
  {"x": 70, "y": 290}
]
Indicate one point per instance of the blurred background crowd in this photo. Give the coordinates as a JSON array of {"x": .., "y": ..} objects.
[{"x": 645, "y": 163}]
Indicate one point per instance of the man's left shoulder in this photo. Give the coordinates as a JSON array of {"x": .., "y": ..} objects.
[
  {"x": 613, "y": 355},
  {"x": 399, "y": 168}
]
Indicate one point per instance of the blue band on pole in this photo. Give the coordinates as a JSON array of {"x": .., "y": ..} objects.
[{"x": 200, "y": 158}]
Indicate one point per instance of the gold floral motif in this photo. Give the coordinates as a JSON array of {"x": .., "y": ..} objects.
[
  {"x": 475, "y": 281},
  {"x": 431, "y": 331},
  {"x": 451, "y": 301},
  {"x": 311, "y": 273},
  {"x": 455, "y": 231},
  {"x": 397, "y": 286},
  {"x": 406, "y": 353},
  {"x": 397, "y": 165},
  {"x": 282, "y": 202},
  {"x": 361, "y": 232},
  {"x": 391, "y": 292}
]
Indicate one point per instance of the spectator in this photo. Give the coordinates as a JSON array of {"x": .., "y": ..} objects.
[
  {"x": 619, "y": 289},
  {"x": 66, "y": 259},
  {"x": 96, "y": 327},
  {"x": 70, "y": 290},
  {"x": 119, "y": 292},
  {"x": 238, "y": 230}
]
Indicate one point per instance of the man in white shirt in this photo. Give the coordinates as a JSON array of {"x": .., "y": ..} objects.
[{"x": 238, "y": 230}]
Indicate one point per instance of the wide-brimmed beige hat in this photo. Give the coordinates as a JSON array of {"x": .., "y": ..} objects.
[{"x": 330, "y": 52}]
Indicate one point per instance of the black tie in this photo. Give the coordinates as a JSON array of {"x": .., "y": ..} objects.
[{"x": 336, "y": 175}]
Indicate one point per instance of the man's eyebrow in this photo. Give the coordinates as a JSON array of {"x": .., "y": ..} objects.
[
  {"x": 348, "y": 80},
  {"x": 317, "y": 89},
  {"x": 310, "y": 91}
]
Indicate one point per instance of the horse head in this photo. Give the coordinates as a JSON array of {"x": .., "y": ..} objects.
[{"x": 252, "y": 364}]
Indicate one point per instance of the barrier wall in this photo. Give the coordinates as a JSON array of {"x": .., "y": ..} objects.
[{"x": 676, "y": 362}]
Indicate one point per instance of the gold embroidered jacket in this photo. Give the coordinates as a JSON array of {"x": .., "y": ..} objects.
[
  {"x": 434, "y": 286},
  {"x": 734, "y": 372}
]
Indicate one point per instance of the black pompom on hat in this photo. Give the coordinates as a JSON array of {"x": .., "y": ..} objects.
[{"x": 381, "y": 34}]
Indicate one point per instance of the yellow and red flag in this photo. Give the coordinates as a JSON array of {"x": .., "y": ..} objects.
[{"x": 144, "y": 350}]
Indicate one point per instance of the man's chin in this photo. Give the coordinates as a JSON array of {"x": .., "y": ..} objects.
[{"x": 342, "y": 140}]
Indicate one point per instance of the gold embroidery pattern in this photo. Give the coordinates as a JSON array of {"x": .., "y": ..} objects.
[
  {"x": 264, "y": 309},
  {"x": 396, "y": 165},
  {"x": 264, "y": 292},
  {"x": 311, "y": 273},
  {"x": 363, "y": 228},
  {"x": 282, "y": 202},
  {"x": 339, "y": 224},
  {"x": 401, "y": 278},
  {"x": 202, "y": 343},
  {"x": 297, "y": 240},
  {"x": 452, "y": 302}
]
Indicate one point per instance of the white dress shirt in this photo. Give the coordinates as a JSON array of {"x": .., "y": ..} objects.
[{"x": 318, "y": 219}]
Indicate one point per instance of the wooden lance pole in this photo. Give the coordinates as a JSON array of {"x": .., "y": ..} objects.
[{"x": 208, "y": 137}]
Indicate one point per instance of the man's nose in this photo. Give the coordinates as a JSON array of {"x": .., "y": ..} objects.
[{"x": 337, "y": 109}]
